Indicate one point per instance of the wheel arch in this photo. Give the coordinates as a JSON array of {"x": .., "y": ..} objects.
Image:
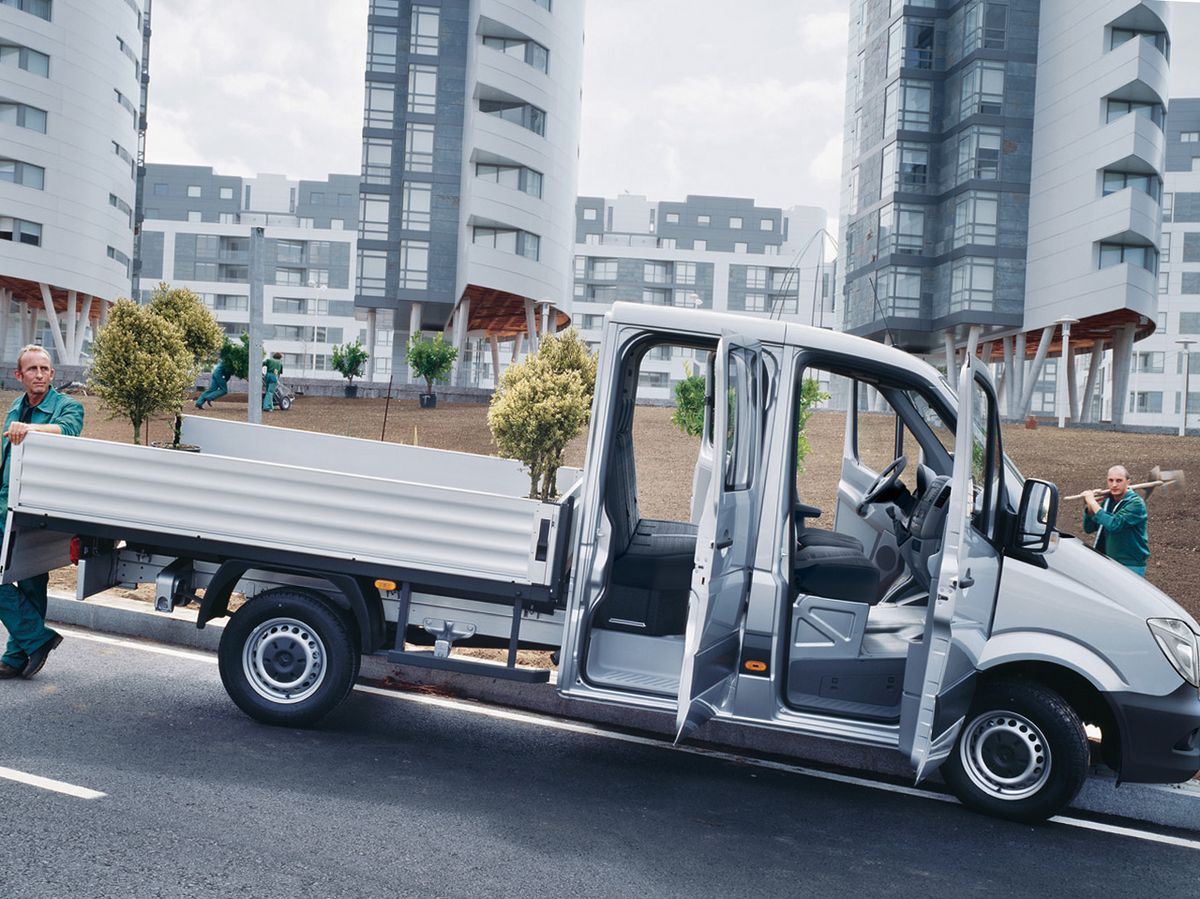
[
  {"x": 356, "y": 597},
  {"x": 1079, "y": 692}
]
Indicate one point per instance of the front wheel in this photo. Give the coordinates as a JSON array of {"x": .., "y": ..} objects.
[
  {"x": 1022, "y": 754},
  {"x": 287, "y": 658}
]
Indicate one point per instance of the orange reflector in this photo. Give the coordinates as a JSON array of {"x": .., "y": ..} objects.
[
  {"x": 75, "y": 550},
  {"x": 385, "y": 585},
  {"x": 755, "y": 666}
]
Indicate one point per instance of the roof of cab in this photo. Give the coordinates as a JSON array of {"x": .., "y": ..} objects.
[{"x": 765, "y": 330}]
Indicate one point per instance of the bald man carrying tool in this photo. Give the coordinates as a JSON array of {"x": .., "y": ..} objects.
[{"x": 1119, "y": 522}]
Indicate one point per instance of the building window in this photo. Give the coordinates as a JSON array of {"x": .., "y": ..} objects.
[
  {"x": 985, "y": 26},
  {"x": 1189, "y": 323},
  {"x": 906, "y": 168},
  {"x": 524, "y": 114},
  {"x": 672, "y": 218},
  {"x": 23, "y": 58},
  {"x": 226, "y": 193},
  {"x": 24, "y": 173},
  {"x": 23, "y": 116},
  {"x": 544, "y": 4},
  {"x": 604, "y": 270},
  {"x": 900, "y": 291},
  {"x": 685, "y": 273},
  {"x": 519, "y": 178},
  {"x": 982, "y": 89},
  {"x": 656, "y": 272},
  {"x": 418, "y": 149},
  {"x": 972, "y": 284},
  {"x": 508, "y": 240},
  {"x": 373, "y": 210},
  {"x": 422, "y": 89},
  {"x": 529, "y": 52},
  {"x": 372, "y": 273},
  {"x": 741, "y": 247},
  {"x": 735, "y": 222},
  {"x": 766, "y": 224},
  {"x": 976, "y": 214},
  {"x": 703, "y": 220},
  {"x": 901, "y": 229},
  {"x": 1150, "y": 363},
  {"x": 379, "y": 105},
  {"x": 415, "y": 213},
  {"x": 910, "y": 44},
  {"x": 377, "y": 158},
  {"x": 39, "y": 8},
  {"x": 756, "y": 277},
  {"x": 20, "y": 231},
  {"x": 907, "y": 105},
  {"x": 193, "y": 190},
  {"x": 1116, "y": 109},
  {"x": 1118, "y": 253},
  {"x": 225, "y": 218},
  {"x": 1164, "y": 245},
  {"x": 381, "y": 49},
  {"x": 700, "y": 245},
  {"x": 1189, "y": 137},
  {"x": 1147, "y": 184},
  {"x": 194, "y": 216},
  {"x": 1156, "y": 39},
  {"x": 1146, "y": 401},
  {"x": 424, "y": 36},
  {"x": 979, "y": 154}
]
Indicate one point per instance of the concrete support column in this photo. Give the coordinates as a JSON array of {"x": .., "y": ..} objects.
[
  {"x": 5, "y": 320},
  {"x": 1018, "y": 384},
  {"x": 29, "y": 317},
  {"x": 81, "y": 329},
  {"x": 69, "y": 337},
  {"x": 1035, "y": 371},
  {"x": 531, "y": 326},
  {"x": 462, "y": 317},
  {"x": 518, "y": 341},
  {"x": 972, "y": 347},
  {"x": 52, "y": 320},
  {"x": 372, "y": 318},
  {"x": 1005, "y": 387},
  {"x": 948, "y": 344},
  {"x": 1122, "y": 360},
  {"x": 105, "y": 305},
  {"x": 494, "y": 342},
  {"x": 1072, "y": 385},
  {"x": 414, "y": 327},
  {"x": 1089, "y": 387}
]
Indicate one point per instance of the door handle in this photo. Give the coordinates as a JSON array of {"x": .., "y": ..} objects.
[
  {"x": 725, "y": 542},
  {"x": 966, "y": 580}
]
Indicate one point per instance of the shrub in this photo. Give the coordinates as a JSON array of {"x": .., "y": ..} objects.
[
  {"x": 141, "y": 365},
  {"x": 540, "y": 405},
  {"x": 202, "y": 335},
  {"x": 430, "y": 359}
]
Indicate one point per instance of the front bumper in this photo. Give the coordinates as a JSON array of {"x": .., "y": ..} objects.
[{"x": 1160, "y": 735}]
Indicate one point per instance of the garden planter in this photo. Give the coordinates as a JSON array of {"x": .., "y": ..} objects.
[
  {"x": 428, "y": 400},
  {"x": 351, "y": 391}
]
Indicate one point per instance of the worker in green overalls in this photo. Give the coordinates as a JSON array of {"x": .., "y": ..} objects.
[
  {"x": 274, "y": 367},
  {"x": 218, "y": 386},
  {"x": 23, "y": 604}
]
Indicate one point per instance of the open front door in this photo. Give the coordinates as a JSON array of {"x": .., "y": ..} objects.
[
  {"x": 726, "y": 534},
  {"x": 939, "y": 679}
]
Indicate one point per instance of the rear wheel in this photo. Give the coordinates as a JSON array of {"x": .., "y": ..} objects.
[
  {"x": 1022, "y": 754},
  {"x": 285, "y": 403},
  {"x": 287, "y": 658}
]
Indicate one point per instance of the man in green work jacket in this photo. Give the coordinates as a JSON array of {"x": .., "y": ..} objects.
[
  {"x": 274, "y": 367},
  {"x": 1120, "y": 523},
  {"x": 23, "y": 604}
]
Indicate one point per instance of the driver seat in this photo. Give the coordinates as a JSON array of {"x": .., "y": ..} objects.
[{"x": 809, "y": 536}]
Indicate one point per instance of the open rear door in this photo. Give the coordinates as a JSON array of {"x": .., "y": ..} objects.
[
  {"x": 726, "y": 534},
  {"x": 939, "y": 679}
]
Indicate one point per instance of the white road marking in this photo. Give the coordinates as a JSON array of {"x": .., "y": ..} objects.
[
  {"x": 45, "y": 783},
  {"x": 591, "y": 730}
]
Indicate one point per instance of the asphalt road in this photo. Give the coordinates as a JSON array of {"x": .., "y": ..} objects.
[{"x": 402, "y": 798}]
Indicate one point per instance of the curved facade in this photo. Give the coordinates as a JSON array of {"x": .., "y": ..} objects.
[
  {"x": 70, "y": 74},
  {"x": 470, "y": 161}
]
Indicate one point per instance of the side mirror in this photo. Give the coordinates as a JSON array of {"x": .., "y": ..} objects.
[{"x": 1037, "y": 516}]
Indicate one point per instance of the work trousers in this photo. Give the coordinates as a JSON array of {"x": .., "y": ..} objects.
[
  {"x": 269, "y": 397},
  {"x": 23, "y": 613},
  {"x": 216, "y": 390}
]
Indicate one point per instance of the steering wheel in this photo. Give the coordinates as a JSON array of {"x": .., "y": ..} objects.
[{"x": 885, "y": 481}]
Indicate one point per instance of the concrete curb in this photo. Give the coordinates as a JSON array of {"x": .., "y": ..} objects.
[{"x": 1176, "y": 806}]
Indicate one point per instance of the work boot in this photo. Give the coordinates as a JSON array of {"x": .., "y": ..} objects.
[
  {"x": 37, "y": 658},
  {"x": 8, "y": 671}
]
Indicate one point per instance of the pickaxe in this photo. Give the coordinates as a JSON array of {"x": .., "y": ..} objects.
[{"x": 1168, "y": 480}]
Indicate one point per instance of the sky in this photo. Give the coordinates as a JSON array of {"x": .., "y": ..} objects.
[{"x": 679, "y": 96}]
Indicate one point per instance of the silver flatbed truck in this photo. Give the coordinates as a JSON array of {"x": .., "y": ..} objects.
[{"x": 943, "y": 616}]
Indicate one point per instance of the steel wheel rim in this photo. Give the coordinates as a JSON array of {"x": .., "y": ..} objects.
[
  {"x": 1005, "y": 755},
  {"x": 284, "y": 660}
]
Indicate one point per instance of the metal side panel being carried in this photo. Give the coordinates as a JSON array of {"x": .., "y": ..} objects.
[{"x": 285, "y": 507}]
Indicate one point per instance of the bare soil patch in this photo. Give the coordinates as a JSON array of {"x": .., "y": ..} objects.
[{"x": 1074, "y": 459}]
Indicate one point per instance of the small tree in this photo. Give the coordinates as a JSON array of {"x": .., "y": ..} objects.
[
  {"x": 202, "y": 336},
  {"x": 235, "y": 357},
  {"x": 430, "y": 359},
  {"x": 689, "y": 409},
  {"x": 540, "y": 405},
  {"x": 349, "y": 360},
  {"x": 140, "y": 364}
]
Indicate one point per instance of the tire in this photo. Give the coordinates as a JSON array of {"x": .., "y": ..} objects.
[
  {"x": 288, "y": 658},
  {"x": 1022, "y": 754},
  {"x": 285, "y": 403}
]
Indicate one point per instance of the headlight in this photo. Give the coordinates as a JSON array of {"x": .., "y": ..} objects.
[{"x": 1178, "y": 643}]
